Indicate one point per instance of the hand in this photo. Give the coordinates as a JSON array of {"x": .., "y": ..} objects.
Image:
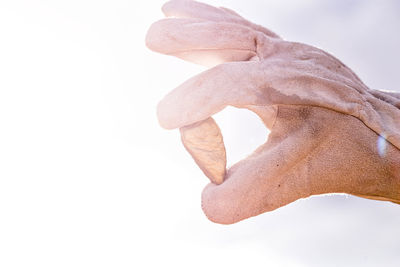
[{"x": 329, "y": 132}]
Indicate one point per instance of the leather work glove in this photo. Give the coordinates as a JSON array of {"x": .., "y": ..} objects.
[{"x": 329, "y": 132}]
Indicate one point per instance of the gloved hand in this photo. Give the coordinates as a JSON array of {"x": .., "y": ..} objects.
[{"x": 329, "y": 131}]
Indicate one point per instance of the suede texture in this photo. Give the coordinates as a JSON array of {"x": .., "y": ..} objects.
[{"x": 329, "y": 131}]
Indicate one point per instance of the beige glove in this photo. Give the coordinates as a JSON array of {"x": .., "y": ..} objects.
[{"x": 329, "y": 131}]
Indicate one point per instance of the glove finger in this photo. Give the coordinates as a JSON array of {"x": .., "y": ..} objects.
[
  {"x": 209, "y": 92},
  {"x": 194, "y": 9},
  {"x": 257, "y": 86},
  {"x": 204, "y": 42}
]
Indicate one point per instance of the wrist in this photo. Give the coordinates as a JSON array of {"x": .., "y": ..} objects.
[
  {"x": 392, "y": 152},
  {"x": 394, "y": 167},
  {"x": 394, "y": 94},
  {"x": 387, "y": 96},
  {"x": 367, "y": 168},
  {"x": 389, "y": 187}
]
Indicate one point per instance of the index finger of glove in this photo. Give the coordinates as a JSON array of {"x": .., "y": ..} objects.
[
  {"x": 209, "y": 92},
  {"x": 194, "y": 9},
  {"x": 200, "y": 41}
]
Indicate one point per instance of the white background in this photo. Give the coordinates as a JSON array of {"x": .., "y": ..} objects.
[{"x": 88, "y": 178}]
